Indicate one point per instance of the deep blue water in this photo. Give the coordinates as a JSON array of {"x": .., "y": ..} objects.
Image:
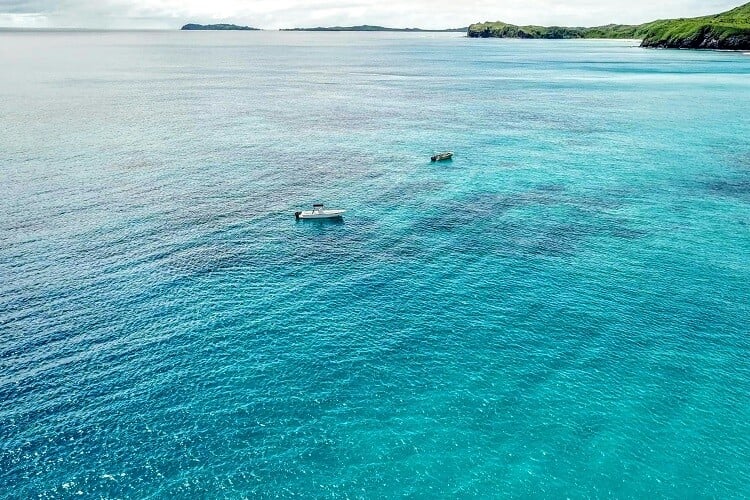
[{"x": 563, "y": 310}]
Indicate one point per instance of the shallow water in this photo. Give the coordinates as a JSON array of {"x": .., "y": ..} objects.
[{"x": 560, "y": 310}]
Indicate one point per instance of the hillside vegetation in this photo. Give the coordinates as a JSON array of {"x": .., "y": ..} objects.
[
  {"x": 504, "y": 30},
  {"x": 728, "y": 30}
]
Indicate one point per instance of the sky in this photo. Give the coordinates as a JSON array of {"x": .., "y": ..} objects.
[{"x": 273, "y": 14}]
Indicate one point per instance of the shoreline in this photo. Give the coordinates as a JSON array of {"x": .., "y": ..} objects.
[{"x": 27, "y": 30}]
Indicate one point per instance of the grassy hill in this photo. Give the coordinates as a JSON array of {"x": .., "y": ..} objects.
[{"x": 728, "y": 30}]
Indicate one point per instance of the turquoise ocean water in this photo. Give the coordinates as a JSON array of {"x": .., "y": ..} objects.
[{"x": 562, "y": 311}]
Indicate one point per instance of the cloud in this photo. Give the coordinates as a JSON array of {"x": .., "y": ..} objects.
[{"x": 292, "y": 13}]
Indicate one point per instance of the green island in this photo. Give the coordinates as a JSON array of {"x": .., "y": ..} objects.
[
  {"x": 216, "y": 27},
  {"x": 368, "y": 27},
  {"x": 726, "y": 31}
]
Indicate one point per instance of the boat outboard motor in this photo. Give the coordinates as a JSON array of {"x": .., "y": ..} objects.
[{"x": 296, "y": 215}]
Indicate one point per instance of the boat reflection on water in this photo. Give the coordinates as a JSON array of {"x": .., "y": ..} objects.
[{"x": 334, "y": 221}]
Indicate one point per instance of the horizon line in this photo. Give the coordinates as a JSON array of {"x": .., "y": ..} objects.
[{"x": 316, "y": 28}]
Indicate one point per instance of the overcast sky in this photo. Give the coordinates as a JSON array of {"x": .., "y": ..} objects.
[{"x": 306, "y": 13}]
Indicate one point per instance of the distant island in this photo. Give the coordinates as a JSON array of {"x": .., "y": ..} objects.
[
  {"x": 217, "y": 27},
  {"x": 726, "y": 31},
  {"x": 368, "y": 27}
]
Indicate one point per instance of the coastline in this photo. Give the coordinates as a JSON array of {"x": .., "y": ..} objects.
[{"x": 728, "y": 30}]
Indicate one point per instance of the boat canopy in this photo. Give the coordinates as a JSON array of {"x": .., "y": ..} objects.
[{"x": 317, "y": 204}]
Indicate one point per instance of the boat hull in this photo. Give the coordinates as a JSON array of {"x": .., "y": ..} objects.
[
  {"x": 323, "y": 214},
  {"x": 442, "y": 157}
]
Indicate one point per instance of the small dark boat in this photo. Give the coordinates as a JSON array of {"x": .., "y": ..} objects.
[{"x": 447, "y": 155}]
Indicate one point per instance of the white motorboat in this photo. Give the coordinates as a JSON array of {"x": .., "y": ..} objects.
[{"x": 319, "y": 212}]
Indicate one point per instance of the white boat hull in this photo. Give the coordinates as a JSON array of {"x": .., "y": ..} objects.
[{"x": 319, "y": 214}]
